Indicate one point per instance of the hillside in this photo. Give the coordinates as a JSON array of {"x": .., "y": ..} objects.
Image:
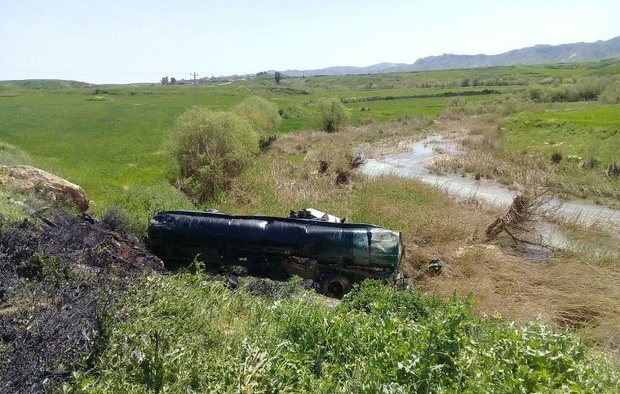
[{"x": 538, "y": 54}]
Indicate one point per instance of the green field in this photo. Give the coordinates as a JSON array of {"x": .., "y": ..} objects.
[
  {"x": 574, "y": 131},
  {"x": 109, "y": 138}
]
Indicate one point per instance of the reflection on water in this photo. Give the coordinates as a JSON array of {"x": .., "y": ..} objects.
[{"x": 414, "y": 164}]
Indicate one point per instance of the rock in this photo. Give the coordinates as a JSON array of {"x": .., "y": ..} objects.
[{"x": 46, "y": 186}]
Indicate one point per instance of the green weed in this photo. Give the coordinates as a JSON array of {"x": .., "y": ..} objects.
[{"x": 209, "y": 339}]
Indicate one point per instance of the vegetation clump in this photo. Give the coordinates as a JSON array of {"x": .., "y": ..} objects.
[
  {"x": 211, "y": 148},
  {"x": 333, "y": 115},
  {"x": 262, "y": 115},
  {"x": 376, "y": 340}
]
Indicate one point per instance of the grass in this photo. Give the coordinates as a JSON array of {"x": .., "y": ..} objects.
[
  {"x": 108, "y": 138},
  {"x": 112, "y": 140},
  {"x": 577, "y": 135},
  {"x": 376, "y": 340},
  {"x": 523, "y": 145},
  {"x": 588, "y": 132},
  {"x": 437, "y": 226}
]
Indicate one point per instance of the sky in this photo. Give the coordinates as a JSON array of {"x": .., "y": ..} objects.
[{"x": 125, "y": 41}]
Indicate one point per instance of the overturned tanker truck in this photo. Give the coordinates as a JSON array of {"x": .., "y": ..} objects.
[{"x": 313, "y": 246}]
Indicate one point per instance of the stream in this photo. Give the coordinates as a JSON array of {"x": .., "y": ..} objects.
[{"x": 414, "y": 164}]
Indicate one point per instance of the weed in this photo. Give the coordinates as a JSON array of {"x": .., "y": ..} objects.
[
  {"x": 376, "y": 337},
  {"x": 556, "y": 157}
]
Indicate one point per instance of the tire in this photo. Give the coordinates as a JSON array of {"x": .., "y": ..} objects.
[{"x": 334, "y": 285}]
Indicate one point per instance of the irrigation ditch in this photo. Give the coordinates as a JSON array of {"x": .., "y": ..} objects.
[{"x": 416, "y": 161}]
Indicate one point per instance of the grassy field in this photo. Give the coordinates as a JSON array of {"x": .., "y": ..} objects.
[
  {"x": 109, "y": 138},
  {"x": 179, "y": 331},
  {"x": 575, "y": 132}
]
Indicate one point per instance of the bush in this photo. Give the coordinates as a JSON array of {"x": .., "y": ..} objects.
[
  {"x": 586, "y": 89},
  {"x": 210, "y": 149},
  {"x": 333, "y": 115},
  {"x": 611, "y": 94},
  {"x": 262, "y": 115}
]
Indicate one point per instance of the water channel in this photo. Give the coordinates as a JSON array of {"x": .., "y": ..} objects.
[{"x": 414, "y": 164}]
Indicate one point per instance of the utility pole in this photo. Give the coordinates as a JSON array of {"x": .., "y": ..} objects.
[{"x": 195, "y": 88}]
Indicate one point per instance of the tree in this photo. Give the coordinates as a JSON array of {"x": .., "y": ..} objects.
[
  {"x": 173, "y": 81},
  {"x": 332, "y": 114},
  {"x": 262, "y": 114},
  {"x": 278, "y": 76},
  {"x": 210, "y": 148},
  {"x": 164, "y": 80}
]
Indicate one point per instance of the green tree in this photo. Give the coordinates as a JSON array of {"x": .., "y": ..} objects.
[
  {"x": 332, "y": 114},
  {"x": 164, "y": 80},
  {"x": 210, "y": 148},
  {"x": 278, "y": 76},
  {"x": 262, "y": 114}
]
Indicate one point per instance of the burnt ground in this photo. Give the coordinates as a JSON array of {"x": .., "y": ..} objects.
[{"x": 57, "y": 277}]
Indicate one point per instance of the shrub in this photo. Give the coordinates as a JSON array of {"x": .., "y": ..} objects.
[
  {"x": 211, "y": 148},
  {"x": 555, "y": 94},
  {"x": 262, "y": 115},
  {"x": 586, "y": 89},
  {"x": 611, "y": 94},
  {"x": 333, "y": 115},
  {"x": 556, "y": 157}
]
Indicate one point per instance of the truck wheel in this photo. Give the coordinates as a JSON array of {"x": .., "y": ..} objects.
[{"x": 334, "y": 285}]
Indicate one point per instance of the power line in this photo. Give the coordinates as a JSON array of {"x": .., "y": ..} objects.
[{"x": 195, "y": 87}]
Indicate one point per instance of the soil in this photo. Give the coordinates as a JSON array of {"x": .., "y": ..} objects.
[{"x": 57, "y": 276}]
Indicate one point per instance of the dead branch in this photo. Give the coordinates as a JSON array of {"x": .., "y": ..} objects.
[{"x": 525, "y": 211}]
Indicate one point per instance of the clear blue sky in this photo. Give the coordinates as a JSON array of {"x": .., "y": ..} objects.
[{"x": 121, "y": 41}]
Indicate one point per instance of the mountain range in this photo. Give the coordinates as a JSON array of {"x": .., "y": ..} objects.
[{"x": 538, "y": 54}]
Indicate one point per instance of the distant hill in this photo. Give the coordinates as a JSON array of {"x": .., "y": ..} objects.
[
  {"x": 343, "y": 70},
  {"x": 565, "y": 53},
  {"x": 538, "y": 54},
  {"x": 36, "y": 84}
]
